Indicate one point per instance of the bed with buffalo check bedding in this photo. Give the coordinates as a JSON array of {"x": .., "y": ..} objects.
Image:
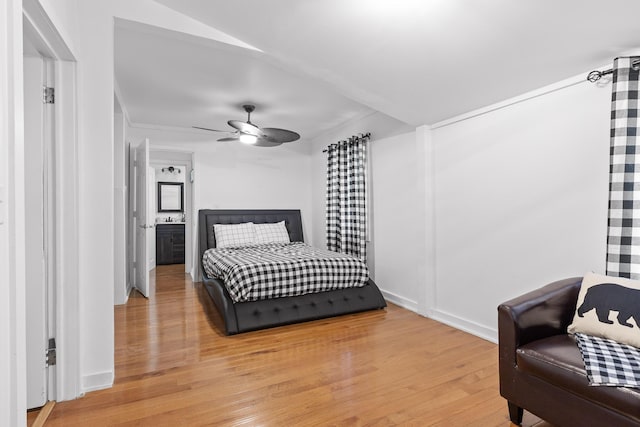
[
  {"x": 265, "y": 285},
  {"x": 279, "y": 270}
]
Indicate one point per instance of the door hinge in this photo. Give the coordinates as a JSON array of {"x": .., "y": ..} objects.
[
  {"x": 51, "y": 352},
  {"x": 48, "y": 95}
]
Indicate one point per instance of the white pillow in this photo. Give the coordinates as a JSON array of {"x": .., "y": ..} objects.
[
  {"x": 234, "y": 235},
  {"x": 608, "y": 307},
  {"x": 272, "y": 233}
]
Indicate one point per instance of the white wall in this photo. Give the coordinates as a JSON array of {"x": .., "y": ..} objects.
[
  {"x": 12, "y": 226},
  {"x": 487, "y": 206},
  {"x": 520, "y": 200},
  {"x": 95, "y": 191},
  {"x": 238, "y": 177},
  {"x": 397, "y": 219}
]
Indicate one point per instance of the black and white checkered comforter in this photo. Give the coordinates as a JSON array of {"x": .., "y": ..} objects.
[{"x": 282, "y": 269}]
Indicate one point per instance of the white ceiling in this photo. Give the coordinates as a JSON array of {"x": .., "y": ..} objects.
[
  {"x": 173, "y": 80},
  {"x": 325, "y": 62}
]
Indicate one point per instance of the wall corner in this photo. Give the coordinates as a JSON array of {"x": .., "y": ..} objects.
[{"x": 426, "y": 210}]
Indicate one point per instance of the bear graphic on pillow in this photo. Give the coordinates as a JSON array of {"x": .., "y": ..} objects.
[{"x": 608, "y": 297}]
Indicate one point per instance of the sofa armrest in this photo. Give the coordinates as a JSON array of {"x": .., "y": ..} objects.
[{"x": 538, "y": 314}]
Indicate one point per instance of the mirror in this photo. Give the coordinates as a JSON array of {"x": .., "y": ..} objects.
[{"x": 170, "y": 197}]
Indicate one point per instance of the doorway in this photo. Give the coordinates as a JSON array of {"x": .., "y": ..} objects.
[
  {"x": 164, "y": 166},
  {"x": 176, "y": 167},
  {"x": 170, "y": 211},
  {"x": 51, "y": 212}
]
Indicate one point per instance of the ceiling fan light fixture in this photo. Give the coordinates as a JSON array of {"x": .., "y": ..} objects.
[
  {"x": 250, "y": 134},
  {"x": 249, "y": 139}
]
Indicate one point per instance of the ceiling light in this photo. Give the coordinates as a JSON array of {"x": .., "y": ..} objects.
[{"x": 248, "y": 138}]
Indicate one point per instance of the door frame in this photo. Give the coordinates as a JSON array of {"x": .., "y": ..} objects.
[
  {"x": 63, "y": 218},
  {"x": 12, "y": 227},
  {"x": 39, "y": 239}
]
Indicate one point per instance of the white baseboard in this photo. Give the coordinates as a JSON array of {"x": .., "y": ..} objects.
[
  {"x": 400, "y": 300},
  {"x": 452, "y": 320},
  {"x": 469, "y": 326},
  {"x": 97, "y": 381}
]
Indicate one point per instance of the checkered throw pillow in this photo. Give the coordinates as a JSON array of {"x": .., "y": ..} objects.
[
  {"x": 608, "y": 362},
  {"x": 235, "y": 235},
  {"x": 272, "y": 233}
]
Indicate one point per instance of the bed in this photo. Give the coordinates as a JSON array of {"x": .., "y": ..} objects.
[{"x": 251, "y": 315}]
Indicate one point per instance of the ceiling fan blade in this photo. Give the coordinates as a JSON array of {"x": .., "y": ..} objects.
[
  {"x": 245, "y": 127},
  {"x": 229, "y": 138},
  {"x": 280, "y": 135},
  {"x": 262, "y": 142},
  {"x": 212, "y": 130}
]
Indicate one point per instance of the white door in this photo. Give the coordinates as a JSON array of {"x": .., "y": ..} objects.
[
  {"x": 141, "y": 222},
  {"x": 35, "y": 235},
  {"x": 151, "y": 215}
]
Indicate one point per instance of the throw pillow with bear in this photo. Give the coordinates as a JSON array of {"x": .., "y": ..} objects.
[{"x": 608, "y": 307}]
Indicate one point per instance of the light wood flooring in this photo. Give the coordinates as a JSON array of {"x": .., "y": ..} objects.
[{"x": 389, "y": 367}]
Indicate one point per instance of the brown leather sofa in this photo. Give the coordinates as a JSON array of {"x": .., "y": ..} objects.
[{"x": 541, "y": 369}]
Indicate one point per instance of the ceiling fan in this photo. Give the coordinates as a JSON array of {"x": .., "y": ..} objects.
[{"x": 249, "y": 133}]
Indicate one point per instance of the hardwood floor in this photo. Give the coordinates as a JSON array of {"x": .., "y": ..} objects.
[{"x": 380, "y": 368}]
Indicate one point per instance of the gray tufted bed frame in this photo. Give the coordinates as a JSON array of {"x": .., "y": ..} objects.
[{"x": 252, "y": 315}]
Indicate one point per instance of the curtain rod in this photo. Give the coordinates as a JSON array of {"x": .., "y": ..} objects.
[
  {"x": 596, "y": 75},
  {"x": 351, "y": 140}
]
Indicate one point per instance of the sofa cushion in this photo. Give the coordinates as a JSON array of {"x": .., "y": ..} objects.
[
  {"x": 608, "y": 307},
  {"x": 557, "y": 360}
]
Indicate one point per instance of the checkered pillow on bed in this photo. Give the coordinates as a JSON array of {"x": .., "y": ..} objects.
[
  {"x": 235, "y": 235},
  {"x": 272, "y": 233}
]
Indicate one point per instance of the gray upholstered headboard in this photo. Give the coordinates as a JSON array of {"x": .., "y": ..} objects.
[{"x": 208, "y": 217}]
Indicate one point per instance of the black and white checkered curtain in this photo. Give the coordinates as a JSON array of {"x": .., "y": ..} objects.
[
  {"x": 346, "y": 197},
  {"x": 623, "y": 236}
]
